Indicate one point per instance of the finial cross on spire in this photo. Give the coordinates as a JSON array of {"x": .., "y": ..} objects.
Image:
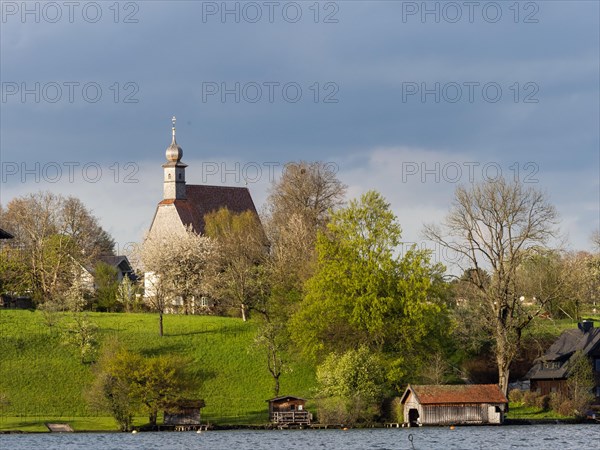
[{"x": 173, "y": 119}]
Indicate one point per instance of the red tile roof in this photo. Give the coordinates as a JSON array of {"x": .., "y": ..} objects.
[
  {"x": 203, "y": 199},
  {"x": 460, "y": 393}
]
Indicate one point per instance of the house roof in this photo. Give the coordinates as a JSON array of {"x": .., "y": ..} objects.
[
  {"x": 119, "y": 261},
  {"x": 5, "y": 234},
  {"x": 564, "y": 347},
  {"x": 428, "y": 394},
  {"x": 204, "y": 199}
]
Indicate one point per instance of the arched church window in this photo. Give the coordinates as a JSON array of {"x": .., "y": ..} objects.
[{"x": 169, "y": 176}]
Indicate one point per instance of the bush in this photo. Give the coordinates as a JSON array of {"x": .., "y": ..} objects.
[
  {"x": 530, "y": 398},
  {"x": 397, "y": 412},
  {"x": 565, "y": 408},
  {"x": 543, "y": 402},
  {"x": 516, "y": 395}
]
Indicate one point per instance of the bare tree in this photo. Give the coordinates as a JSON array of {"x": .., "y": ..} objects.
[
  {"x": 596, "y": 240},
  {"x": 55, "y": 235},
  {"x": 494, "y": 226},
  {"x": 299, "y": 205}
]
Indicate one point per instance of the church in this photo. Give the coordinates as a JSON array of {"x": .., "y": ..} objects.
[{"x": 185, "y": 205}]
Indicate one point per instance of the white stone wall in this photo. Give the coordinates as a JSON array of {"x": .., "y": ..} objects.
[
  {"x": 166, "y": 220},
  {"x": 174, "y": 183}
]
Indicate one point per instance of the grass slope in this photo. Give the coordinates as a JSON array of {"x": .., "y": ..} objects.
[{"x": 44, "y": 380}]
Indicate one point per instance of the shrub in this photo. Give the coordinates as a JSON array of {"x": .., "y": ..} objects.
[
  {"x": 516, "y": 395},
  {"x": 565, "y": 408},
  {"x": 543, "y": 402},
  {"x": 397, "y": 410},
  {"x": 530, "y": 398}
]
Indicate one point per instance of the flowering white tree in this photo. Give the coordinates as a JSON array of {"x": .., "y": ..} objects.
[{"x": 176, "y": 266}]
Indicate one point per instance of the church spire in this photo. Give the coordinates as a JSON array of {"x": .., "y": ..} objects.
[
  {"x": 174, "y": 170},
  {"x": 174, "y": 152}
]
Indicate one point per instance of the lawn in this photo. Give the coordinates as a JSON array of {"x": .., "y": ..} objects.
[{"x": 44, "y": 380}]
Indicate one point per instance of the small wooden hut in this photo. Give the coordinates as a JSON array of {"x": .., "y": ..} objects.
[
  {"x": 289, "y": 410},
  {"x": 184, "y": 412},
  {"x": 453, "y": 404}
]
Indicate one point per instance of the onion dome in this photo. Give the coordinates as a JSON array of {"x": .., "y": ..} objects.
[{"x": 174, "y": 152}]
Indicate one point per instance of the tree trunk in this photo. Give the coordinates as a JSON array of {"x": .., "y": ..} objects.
[
  {"x": 244, "y": 314},
  {"x": 503, "y": 373},
  {"x": 152, "y": 418},
  {"x": 160, "y": 324},
  {"x": 276, "y": 387}
]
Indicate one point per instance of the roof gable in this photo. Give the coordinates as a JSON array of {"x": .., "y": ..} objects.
[
  {"x": 429, "y": 394},
  {"x": 285, "y": 398},
  {"x": 571, "y": 341},
  {"x": 204, "y": 199}
]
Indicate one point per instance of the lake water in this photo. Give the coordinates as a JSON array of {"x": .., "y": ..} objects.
[{"x": 549, "y": 437}]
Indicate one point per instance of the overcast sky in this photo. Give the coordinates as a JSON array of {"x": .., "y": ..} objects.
[{"x": 408, "y": 98}]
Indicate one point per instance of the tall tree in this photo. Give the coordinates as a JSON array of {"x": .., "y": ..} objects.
[
  {"x": 495, "y": 225},
  {"x": 362, "y": 293},
  {"x": 107, "y": 286},
  {"x": 242, "y": 249},
  {"x": 299, "y": 205}
]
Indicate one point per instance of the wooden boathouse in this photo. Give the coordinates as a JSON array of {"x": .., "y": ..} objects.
[
  {"x": 453, "y": 404},
  {"x": 289, "y": 411},
  {"x": 183, "y": 414}
]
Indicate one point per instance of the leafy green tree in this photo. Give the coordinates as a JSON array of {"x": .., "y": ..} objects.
[
  {"x": 127, "y": 292},
  {"x": 160, "y": 381},
  {"x": 82, "y": 334},
  {"x": 362, "y": 293},
  {"x": 107, "y": 286},
  {"x": 352, "y": 383},
  {"x": 127, "y": 382},
  {"x": 111, "y": 388},
  {"x": 14, "y": 277},
  {"x": 240, "y": 277},
  {"x": 580, "y": 383}
]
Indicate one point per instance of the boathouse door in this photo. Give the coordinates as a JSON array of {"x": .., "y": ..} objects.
[{"x": 413, "y": 416}]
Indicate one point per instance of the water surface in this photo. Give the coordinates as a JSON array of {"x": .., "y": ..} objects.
[{"x": 562, "y": 437}]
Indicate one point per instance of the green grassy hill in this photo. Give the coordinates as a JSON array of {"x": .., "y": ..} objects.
[{"x": 43, "y": 380}]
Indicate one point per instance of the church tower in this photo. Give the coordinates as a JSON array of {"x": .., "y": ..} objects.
[{"x": 174, "y": 171}]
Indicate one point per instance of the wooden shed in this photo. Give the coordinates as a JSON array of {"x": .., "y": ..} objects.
[
  {"x": 453, "y": 404},
  {"x": 289, "y": 410},
  {"x": 183, "y": 412}
]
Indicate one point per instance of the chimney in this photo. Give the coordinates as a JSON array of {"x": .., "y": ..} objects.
[{"x": 586, "y": 325}]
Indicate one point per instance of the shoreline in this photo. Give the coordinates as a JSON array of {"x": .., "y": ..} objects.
[{"x": 317, "y": 427}]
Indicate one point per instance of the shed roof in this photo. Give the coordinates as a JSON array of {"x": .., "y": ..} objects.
[
  {"x": 564, "y": 347},
  {"x": 204, "y": 199},
  {"x": 186, "y": 403},
  {"x": 5, "y": 234},
  {"x": 286, "y": 398},
  {"x": 429, "y": 394}
]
